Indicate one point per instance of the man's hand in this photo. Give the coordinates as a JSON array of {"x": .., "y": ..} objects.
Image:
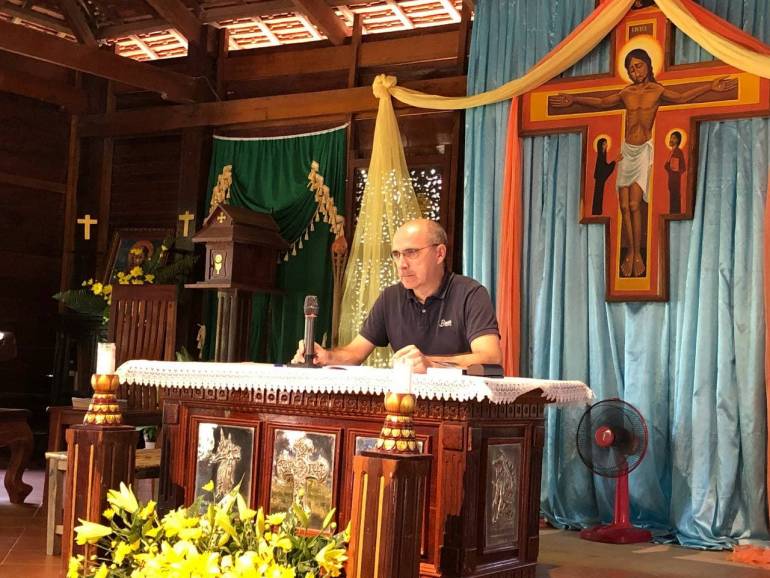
[
  {"x": 723, "y": 84},
  {"x": 410, "y": 355},
  {"x": 321, "y": 355},
  {"x": 560, "y": 100}
]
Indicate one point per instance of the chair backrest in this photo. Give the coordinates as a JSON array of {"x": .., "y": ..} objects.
[
  {"x": 142, "y": 326},
  {"x": 143, "y": 322}
]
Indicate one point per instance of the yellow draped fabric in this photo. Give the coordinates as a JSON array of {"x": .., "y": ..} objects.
[
  {"x": 388, "y": 202},
  {"x": 571, "y": 50},
  {"x": 741, "y": 57},
  {"x": 579, "y": 43}
]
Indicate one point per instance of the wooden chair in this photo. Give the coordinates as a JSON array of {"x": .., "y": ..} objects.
[
  {"x": 142, "y": 326},
  {"x": 16, "y": 434}
]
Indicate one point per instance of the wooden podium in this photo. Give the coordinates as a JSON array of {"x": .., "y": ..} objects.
[{"x": 242, "y": 251}]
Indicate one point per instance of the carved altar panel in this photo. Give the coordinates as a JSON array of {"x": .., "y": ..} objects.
[
  {"x": 225, "y": 453},
  {"x": 303, "y": 466},
  {"x": 503, "y": 477}
]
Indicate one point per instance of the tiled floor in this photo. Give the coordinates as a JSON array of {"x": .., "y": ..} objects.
[{"x": 562, "y": 554}]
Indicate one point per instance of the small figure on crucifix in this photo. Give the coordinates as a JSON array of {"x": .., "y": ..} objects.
[
  {"x": 675, "y": 166},
  {"x": 640, "y": 100},
  {"x": 602, "y": 172}
]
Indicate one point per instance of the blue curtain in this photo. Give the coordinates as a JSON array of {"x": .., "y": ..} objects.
[
  {"x": 693, "y": 366},
  {"x": 509, "y": 37}
]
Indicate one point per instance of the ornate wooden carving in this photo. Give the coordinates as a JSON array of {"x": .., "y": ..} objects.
[{"x": 456, "y": 434}]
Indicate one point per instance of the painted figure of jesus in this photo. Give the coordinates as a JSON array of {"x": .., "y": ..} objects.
[{"x": 641, "y": 100}]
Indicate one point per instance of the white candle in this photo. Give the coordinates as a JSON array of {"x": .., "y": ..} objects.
[
  {"x": 402, "y": 377},
  {"x": 105, "y": 358}
]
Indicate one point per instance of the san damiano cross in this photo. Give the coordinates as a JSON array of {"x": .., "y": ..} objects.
[
  {"x": 298, "y": 467},
  {"x": 640, "y": 135}
]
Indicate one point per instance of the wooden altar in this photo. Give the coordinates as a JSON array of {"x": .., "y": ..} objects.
[{"x": 481, "y": 512}]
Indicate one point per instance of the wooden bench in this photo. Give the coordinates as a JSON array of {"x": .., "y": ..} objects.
[
  {"x": 147, "y": 466},
  {"x": 16, "y": 434}
]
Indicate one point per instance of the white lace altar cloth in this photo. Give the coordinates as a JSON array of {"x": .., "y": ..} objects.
[{"x": 365, "y": 380}]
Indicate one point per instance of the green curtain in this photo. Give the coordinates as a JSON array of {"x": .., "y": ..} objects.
[{"x": 270, "y": 175}]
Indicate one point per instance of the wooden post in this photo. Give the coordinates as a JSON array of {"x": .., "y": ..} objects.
[
  {"x": 232, "y": 330},
  {"x": 389, "y": 489},
  {"x": 388, "y": 502},
  {"x": 99, "y": 457}
]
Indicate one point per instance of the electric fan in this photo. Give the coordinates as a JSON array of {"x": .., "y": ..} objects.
[{"x": 611, "y": 441}]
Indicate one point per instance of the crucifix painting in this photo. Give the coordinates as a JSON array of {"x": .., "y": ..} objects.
[{"x": 640, "y": 132}]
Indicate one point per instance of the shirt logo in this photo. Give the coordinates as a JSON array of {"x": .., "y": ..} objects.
[{"x": 445, "y": 323}]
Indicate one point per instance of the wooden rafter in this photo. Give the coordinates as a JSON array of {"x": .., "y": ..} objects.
[
  {"x": 321, "y": 14},
  {"x": 78, "y": 22},
  {"x": 146, "y": 26},
  {"x": 253, "y": 110},
  {"x": 179, "y": 17},
  {"x": 431, "y": 47},
  {"x": 73, "y": 99},
  {"x": 246, "y": 10},
  {"x": 173, "y": 86},
  {"x": 36, "y": 18}
]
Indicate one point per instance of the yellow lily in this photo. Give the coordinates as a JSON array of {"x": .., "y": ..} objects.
[
  {"x": 123, "y": 500},
  {"x": 91, "y": 532}
]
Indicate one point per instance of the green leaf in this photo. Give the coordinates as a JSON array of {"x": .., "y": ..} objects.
[{"x": 300, "y": 513}]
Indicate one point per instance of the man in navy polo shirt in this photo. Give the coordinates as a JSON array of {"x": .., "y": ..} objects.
[{"x": 431, "y": 318}]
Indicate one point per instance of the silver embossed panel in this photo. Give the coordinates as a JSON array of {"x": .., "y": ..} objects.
[{"x": 503, "y": 479}]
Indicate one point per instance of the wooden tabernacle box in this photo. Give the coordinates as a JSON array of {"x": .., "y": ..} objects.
[{"x": 242, "y": 249}]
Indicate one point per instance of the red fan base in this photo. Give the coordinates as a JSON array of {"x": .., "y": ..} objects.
[{"x": 620, "y": 531}]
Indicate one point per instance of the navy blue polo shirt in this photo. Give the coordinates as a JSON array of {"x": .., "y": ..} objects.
[{"x": 459, "y": 312}]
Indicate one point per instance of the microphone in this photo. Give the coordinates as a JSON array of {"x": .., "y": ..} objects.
[{"x": 311, "y": 312}]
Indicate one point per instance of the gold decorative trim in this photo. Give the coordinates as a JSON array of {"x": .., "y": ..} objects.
[
  {"x": 326, "y": 210},
  {"x": 397, "y": 434},
  {"x": 220, "y": 194},
  {"x": 104, "y": 408},
  {"x": 365, "y": 482},
  {"x": 378, "y": 541}
]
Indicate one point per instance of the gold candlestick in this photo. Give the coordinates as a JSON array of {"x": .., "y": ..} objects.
[
  {"x": 104, "y": 408},
  {"x": 397, "y": 434}
]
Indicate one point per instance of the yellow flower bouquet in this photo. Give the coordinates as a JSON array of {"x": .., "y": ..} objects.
[
  {"x": 224, "y": 539},
  {"x": 94, "y": 298}
]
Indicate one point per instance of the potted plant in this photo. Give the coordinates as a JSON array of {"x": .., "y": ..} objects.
[
  {"x": 224, "y": 539},
  {"x": 150, "y": 435}
]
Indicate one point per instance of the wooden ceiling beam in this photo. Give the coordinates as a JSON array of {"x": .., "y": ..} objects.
[
  {"x": 428, "y": 47},
  {"x": 324, "y": 18},
  {"x": 126, "y": 29},
  {"x": 36, "y": 18},
  {"x": 73, "y": 99},
  {"x": 78, "y": 22},
  {"x": 266, "y": 8},
  {"x": 178, "y": 16},
  {"x": 171, "y": 85},
  {"x": 210, "y": 16},
  {"x": 267, "y": 109}
]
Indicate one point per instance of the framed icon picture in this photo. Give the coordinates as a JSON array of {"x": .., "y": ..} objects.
[
  {"x": 225, "y": 456},
  {"x": 303, "y": 469},
  {"x": 132, "y": 248}
]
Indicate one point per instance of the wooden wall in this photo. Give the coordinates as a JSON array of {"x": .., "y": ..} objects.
[
  {"x": 33, "y": 163},
  {"x": 143, "y": 161}
]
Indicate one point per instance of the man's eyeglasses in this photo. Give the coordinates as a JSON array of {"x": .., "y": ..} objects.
[{"x": 410, "y": 254}]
